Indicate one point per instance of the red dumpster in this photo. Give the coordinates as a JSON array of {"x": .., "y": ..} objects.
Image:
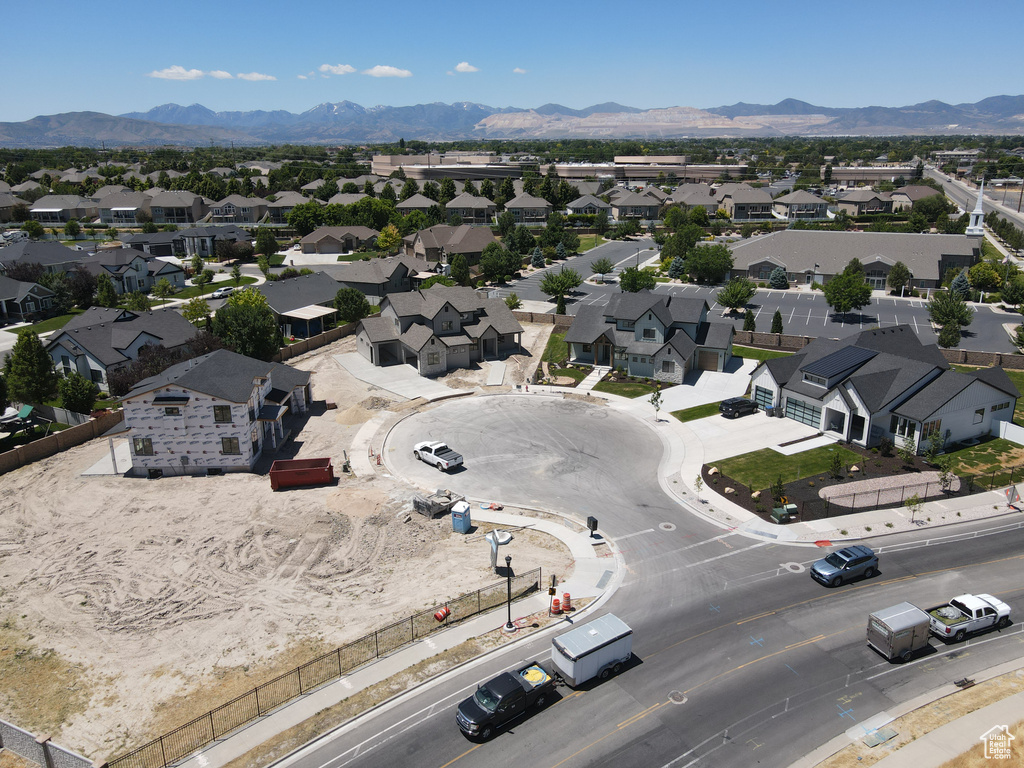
[{"x": 290, "y": 473}]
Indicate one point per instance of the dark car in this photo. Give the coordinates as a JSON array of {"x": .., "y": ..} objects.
[
  {"x": 737, "y": 406},
  {"x": 845, "y": 564}
]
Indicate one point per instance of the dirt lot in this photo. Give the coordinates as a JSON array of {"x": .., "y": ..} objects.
[{"x": 128, "y": 606}]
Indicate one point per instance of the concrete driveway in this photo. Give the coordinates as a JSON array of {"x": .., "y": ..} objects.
[
  {"x": 401, "y": 380},
  {"x": 722, "y": 437},
  {"x": 709, "y": 386}
]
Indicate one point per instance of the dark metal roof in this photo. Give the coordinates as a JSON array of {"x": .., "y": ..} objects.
[{"x": 845, "y": 359}]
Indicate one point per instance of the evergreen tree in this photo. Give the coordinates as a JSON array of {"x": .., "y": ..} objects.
[
  {"x": 777, "y": 322},
  {"x": 106, "y": 296},
  {"x": 677, "y": 269},
  {"x": 749, "y": 323},
  {"x": 351, "y": 304},
  {"x": 961, "y": 286},
  {"x": 949, "y": 336},
  {"x": 537, "y": 260},
  {"x": 28, "y": 371},
  {"x": 77, "y": 393},
  {"x": 777, "y": 279},
  {"x": 459, "y": 269}
]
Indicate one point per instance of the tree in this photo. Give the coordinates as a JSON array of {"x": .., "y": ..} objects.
[
  {"x": 305, "y": 217},
  {"x": 248, "y": 327},
  {"x": 512, "y": 301},
  {"x": 846, "y": 292},
  {"x": 777, "y": 322},
  {"x": 3, "y": 394},
  {"x": 28, "y": 371},
  {"x": 72, "y": 229},
  {"x": 949, "y": 336},
  {"x": 570, "y": 241},
  {"x": 494, "y": 262},
  {"x": 33, "y": 229},
  {"x": 558, "y": 284},
  {"x": 77, "y": 393},
  {"x": 137, "y": 301},
  {"x": 633, "y": 280},
  {"x": 778, "y": 280},
  {"x": 63, "y": 300},
  {"x": 387, "y": 193},
  {"x": 506, "y": 223},
  {"x": 197, "y": 264},
  {"x": 709, "y": 263},
  {"x": 196, "y": 310},
  {"x": 409, "y": 189},
  {"x": 82, "y": 285},
  {"x": 236, "y": 273},
  {"x": 698, "y": 215},
  {"x": 447, "y": 191},
  {"x": 749, "y": 322},
  {"x": 961, "y": 286},
  {"x": 521, "y": 240},
  {"x": 656, "y": 402},
  {"x": 537, "y": 259},
  {"x": 163, "y": 288},
  {"x": 106, "y": 296},
  {"x": 430, "y": 282},
  {"x": 677, "y": 269},
  {"x": 389, "y": 239},
  {"x": 560, "y": 252},
  {"x": 352, "y": 305},
  {"x": 899, "y": 276},
  {"x": 459, "y": 269},
  {"x": 266, "y": 244},
  {"x": 601, "y": 222},
  {"x": 735, "y": 294},
  {"x": 1013, "y": 291},
  {"x": 946, "y": 308},
  {"x": 854, "y": 267},
  {"x": 602, "y": 266},
  {"x": 984, "y": 277}
]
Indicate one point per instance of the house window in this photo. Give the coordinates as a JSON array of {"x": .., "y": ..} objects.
[
  {"x": 96, "y": 376},
  {"x": 905, "y": 427},
  {"x": 649, "y": 334},
  {"x": 586, "y": 348},
  {"x": 222, "y": 414},
  {"x": 668, "y": 366},
  {"x": 634, "y": 358},
  {"x": 1000, "y": 407},
  {"x": 446, "y": 325},
  {"x": 501, "y": 339},
  {"x": 229, "y": 445},
  {"x": 931, "y": 426},
  {"x": 172, "y": 410},
  {"x": 433, "y": 358},
  {"x": 979, "y": 415},
  {"x": 143, "y": 446},
  {"x": 812, "y": 379},
  {"x": 627, "y": 324}
]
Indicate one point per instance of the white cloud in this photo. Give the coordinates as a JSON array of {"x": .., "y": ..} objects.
[
  {"x": 220, "y": 74},
  {"x": 254, "y": 76},
  {"x": 301, "y": 77},
  {"x": 383, "y": 70},
  {"x": 176, "y": 72},
  {"x": 337, "y": 69},
  {"x": 519, "y": 71},
  {"x": 465, "y": 66}
]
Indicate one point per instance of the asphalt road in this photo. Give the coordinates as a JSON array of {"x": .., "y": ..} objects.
[{"x": 739, "y": 657}]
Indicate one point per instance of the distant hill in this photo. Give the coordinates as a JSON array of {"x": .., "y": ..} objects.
[{"x": 347, "y": 122}]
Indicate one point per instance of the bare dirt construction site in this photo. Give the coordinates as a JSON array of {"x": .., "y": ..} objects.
[{"x": 129, "y": 606}]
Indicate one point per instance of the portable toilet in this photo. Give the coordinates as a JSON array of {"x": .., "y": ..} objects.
[{"x": 461, "y": 522}]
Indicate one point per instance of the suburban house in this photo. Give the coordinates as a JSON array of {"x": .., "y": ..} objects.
[
  {"x": 131, "y": 270},
  {"x": 337, "y": 239},
  {"x": 346, "y": 198},
  {"x": 438, "y": 330},
  {"x": 22, "y": 301},
  {"x": 650, "y": 335},
  {"x": 51, "y": 255},
  {"x": 108, "y": 189},
  {"x": 203, "y": 241},
  {"x": 811, "y": 256},
  {"x": 632, "y": 205},
  {"x": 282, "y": 206},
  {"x": 588, "y": 205},
  {"x": 688, "y": 196},
  {"x": 441, "y": 241},
  {"x": 122, "y": 208},
  {"x": 472, "y": 209},
  {"x": 863, "y": 202},
  {"x": 417, "y": 202},
  {"x": 800, "y": 206},
  {"x": 177, "y": 207},
  {"x": 884, "y": 383},
  {"x": 60, "y": 209},
  {"x": 301, "y": 303},
  {"x": 745, "y": 203},
  {"x": 235, "y": 209},
  {"x": 904, "y": 198},
  {"x": 528, "y": 209},
  {"x": 7, "y": 203},
  {"x": 101, "y": 339},
  {"x": 376, "y": 278},
  {"x": 215, "y": 413}
]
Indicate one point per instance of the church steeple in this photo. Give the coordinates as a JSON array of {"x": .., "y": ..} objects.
[{"x": 976, "y": 228}]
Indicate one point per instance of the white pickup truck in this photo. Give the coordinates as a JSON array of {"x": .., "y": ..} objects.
[
  {"x": 438, "y": 454},
  {"x": 965, "y": 614}
]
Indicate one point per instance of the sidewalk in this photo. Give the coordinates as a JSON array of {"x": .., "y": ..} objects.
[{"x": 593, "y": 577}]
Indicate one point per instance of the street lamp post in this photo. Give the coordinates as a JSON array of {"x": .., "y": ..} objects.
[{"x": 508, "y": 575}]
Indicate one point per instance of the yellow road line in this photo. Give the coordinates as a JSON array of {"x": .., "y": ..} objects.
[{"x": 451, "y": 762}]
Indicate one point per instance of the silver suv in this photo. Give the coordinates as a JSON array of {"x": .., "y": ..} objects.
[{"x": 845, "y": 564}]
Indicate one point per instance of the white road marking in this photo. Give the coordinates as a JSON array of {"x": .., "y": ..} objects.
[
  {"x": 730, "y": 554},
  {"x": 635, "y": 533}
]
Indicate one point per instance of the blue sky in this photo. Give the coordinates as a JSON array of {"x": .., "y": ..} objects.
[{"x": 118, "y": 57}]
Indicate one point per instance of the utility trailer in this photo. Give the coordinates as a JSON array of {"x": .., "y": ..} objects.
[
  {"x": 898, "y": 631},
  {"x": 598, "y": 648}
]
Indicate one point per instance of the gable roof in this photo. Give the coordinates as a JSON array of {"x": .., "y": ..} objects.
[
  {"x": 415, "y": 202},
  {"x": 428, "y": 303},
  {"x": 375, "y": 271},
  {"x": 585, "y": 200},
  {"x": 463, "y": 239},
  {"x": 45, "y": 252},
  {"x": 527, "y": 201},
  {"x": 17, "y": 290},
  {"x": 224, "y": 375},
  {"x": 466, "y": 200},
  {"x": 346, "y": 198},
  {"x": 318, "y": 234},
  {"x": 863, "y": 196},
  {"x": 800, "y": 196},
  {"x": 104, "y": 333},
  {"x": 915, "y": 192},
  {"x": 285, "y": 296}
]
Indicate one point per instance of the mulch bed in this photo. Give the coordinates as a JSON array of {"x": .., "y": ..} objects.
[{"x": 810, "y": 506}]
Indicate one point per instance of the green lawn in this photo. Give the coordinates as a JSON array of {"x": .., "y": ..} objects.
[
  {"x": 194, "y": 290},
  {"x": 759, "y": 469},
  {"x": 556, "y": 350},
  {"x": 753, "y": 353},
  {"x": 277, "y": 259},
  {"x": 590, "y": 241},
  {"x": 573, "y": 373},
  {"x": 697, "y": 412},
  {"x": 357, "y": 255},
  {"x": 47, "y": 325},
  {"x": 986, "y": 456},
  {"x": 630, "y": 389}
]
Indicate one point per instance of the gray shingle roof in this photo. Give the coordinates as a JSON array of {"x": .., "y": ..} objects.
[
  {"x": 713, "y": 335},
  {"x": 374, "y": 271},
  {"x": 16, "y": 290},
  {"x": 224, "y": 375},
  {"x": 378, "y": 329},
  {"x": 45, "y": 252},
  {"x": 466, "y": 200},
  {"x": 415, "y": 202},
  {"x": 285, "y": 296},
  {"x": 527, "y": 201},
  {"x": 585, "y": 200},
  {"x": 104, "y": 333},
  {"x": 346, "y": 198}
]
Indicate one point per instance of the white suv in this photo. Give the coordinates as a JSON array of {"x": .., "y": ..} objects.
[{"x": 222, "y": 293}]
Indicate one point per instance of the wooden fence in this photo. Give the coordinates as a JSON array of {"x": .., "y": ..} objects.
[{"x": 57, "y": 442}]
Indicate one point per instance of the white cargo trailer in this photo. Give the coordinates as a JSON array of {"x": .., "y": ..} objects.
[{"x": 598, "y": 648}]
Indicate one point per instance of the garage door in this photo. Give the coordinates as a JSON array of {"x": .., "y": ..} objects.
[
  {"x": 803, "y": 412},
  {"x": 707, "y": 361},
  {"x": 763, "y": 397}
]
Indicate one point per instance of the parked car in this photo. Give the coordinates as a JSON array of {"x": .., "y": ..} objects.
[
  {"x": 845, "y": 564},
  {"x": 965, "y": 614},
  {"x": 222, "y": 293},
  {"x": 737, "y": 406},
  {"x": 438, "y": 454}
]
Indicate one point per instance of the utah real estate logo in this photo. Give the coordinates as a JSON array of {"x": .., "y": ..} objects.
[{"x": 997, "y": 743}]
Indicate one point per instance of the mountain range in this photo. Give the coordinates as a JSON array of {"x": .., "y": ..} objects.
[{"x": 346, "y": 122}]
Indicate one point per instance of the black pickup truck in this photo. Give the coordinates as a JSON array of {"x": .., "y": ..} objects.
[{"x": 504, "y": 698}]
